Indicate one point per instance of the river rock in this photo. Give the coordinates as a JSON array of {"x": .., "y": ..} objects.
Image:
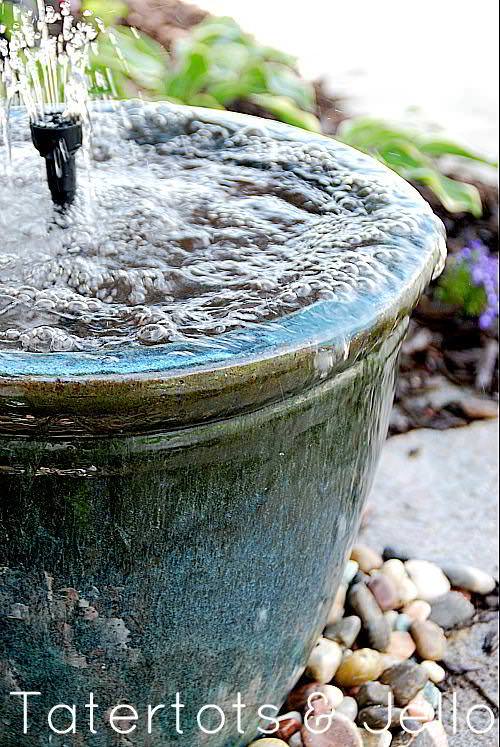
[
  {"x": 350, "y": 570},
  {"x": 269, "y": 743},
  {"x": 432, "y": 735},
  {"x": 417, "y": 611},
  {"x": 337, "y": 609},
  {"x": 380, "y": 717},
  {"x": 383, "y": 739},
  {"x": 324, "y": 661},
  {"x": 298, "y": 698},
  {"x": 296, "y": 740},
  {"x": 429, "y": 579},
  {"x": 436, "y": 673},
  {"x": 359, "y": 667},
  {"x": 367, "y": 559},
  {"x": 405, "y": 680},
  {"x": 419, "y": 708},
  {"x": 452, "y": 610},
  {"x": 344, "y": 631},
  {"x": 470, "y": 578},
  {"x": 348, "y": 708},
  {"x": 403, "y": 623},
  {"x": 392, "y": 617},
  {"x": 341, "y": 733},
  {"x": 401, "y": 646},
  {"x": 430, "y": 640},
  {"x": 289, "y": 724},
  {"x": 384, "y": 590},
  {"x": 396, "y": 571},
  {"x": 373, "y": 693},
  {"x": 378, "y": 634}
]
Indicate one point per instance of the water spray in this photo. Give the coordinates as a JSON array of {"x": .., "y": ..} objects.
[{"x": 58, "y": 138}]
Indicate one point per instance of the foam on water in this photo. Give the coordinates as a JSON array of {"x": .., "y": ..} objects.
[{"x": 185, "y": 227}]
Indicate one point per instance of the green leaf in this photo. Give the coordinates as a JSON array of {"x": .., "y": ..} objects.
[
  {"x": 283, "y": 81},
  {"x": 285, "y": 110},
  {"x": 191, "y": 78},
  {"x": 457, "y": 197},
  {"x": 437, "y": 148},
  {"x": 128, "y": 53},
  {"x": 109, "y": 11}
]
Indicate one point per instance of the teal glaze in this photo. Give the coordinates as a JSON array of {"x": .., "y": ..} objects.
[{"x": 219, "y": 548}]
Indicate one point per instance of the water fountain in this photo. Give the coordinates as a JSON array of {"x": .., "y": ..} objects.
[{"x": 197, "y": 364}]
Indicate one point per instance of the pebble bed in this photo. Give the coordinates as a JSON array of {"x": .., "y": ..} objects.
[{"x": 381, "y": 657}]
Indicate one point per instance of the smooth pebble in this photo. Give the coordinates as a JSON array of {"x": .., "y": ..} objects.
[{"x": 429, "y": 579}]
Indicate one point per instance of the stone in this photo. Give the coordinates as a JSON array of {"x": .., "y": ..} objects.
[
  {"x": 403, "y": 623},
  {"x": 405, "y": 680},
  {"x": 341, "y": 733},
  {"x": 436, "y": 673},
  {"x": 452, "y": 610},
  {"x": 299, "y": 697},
  {"x": 432, "y": 735},
  {"x": 324, "y": 661},
  {"x": 378, "y": 634},
  {"x": 296, "y": 740},
  {"x": 419, "y": 708},
  {"x": 269, "y": 743},
  {"x": 359, "y": 667},
  {"x": 432, "y": 695},
  {"x": 373, "y": 693},
  {"x": 430, "y": 640},
  {"x": 391, "y": 552},
  {"x": 396, "y": 571},
  {"x": 429, "y": 579},
  {"x": 384, "y": 590},
  {"x": 417, "y": 611},
  {"x": 289, "y": 724},
  {"x": 383, "y": 739},
  {"x": 364, "y": 604},
  {"x": 470, "y": 650},
  {"x": 408, "y": 591},
  {"x": 478, "y": 408},
  {"x": 349, "y": 708},
  {"x": 337, "y": 609},
  {"x": 350, "y": 570},
  {"x": 391, "y": 616},
  {"x": 344, "y": 631},
  {"x": 380, "y": 717},
  {"x": 469, "y": 578},
  {"x": 333, "y": 695},
  {"x": 402, "y": 646},
  {"x": 367, "y": 559}
]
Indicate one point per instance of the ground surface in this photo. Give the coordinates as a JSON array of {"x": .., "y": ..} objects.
[{"x": 435, "y": 495}]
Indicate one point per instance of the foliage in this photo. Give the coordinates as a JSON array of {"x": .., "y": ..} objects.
[
  {"x": 470, "y": 282},
  {"x": 416, "y": 158},
  {"x": 216, "y": 65}
]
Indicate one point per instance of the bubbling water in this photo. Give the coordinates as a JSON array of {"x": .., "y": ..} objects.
[{"x": 193, "y": 228}]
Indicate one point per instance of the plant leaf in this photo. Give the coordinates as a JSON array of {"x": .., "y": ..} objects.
[
  {"x": 285, "y": 110},
  {"x": 437, "y": 148}
]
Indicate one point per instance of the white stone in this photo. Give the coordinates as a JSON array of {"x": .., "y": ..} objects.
[
  {"x": 324, "y": 661},
  {"x": 429, "y": 579},
  {"x": 469, "y": 578},
  {"x": 384, "y": 739},
  {"x": 435, "y": 671}
]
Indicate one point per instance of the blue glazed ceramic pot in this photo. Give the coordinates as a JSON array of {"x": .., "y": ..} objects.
[{"x": 176, "y": 519}]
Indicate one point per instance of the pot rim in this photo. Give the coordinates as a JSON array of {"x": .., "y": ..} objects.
[{"x": 348, "y": 330}]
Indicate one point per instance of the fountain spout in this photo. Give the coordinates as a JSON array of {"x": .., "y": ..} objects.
[{"x": 58, "y": 138}]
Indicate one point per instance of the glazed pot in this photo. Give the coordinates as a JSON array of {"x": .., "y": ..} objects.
[{"x": 175, "y": 523}]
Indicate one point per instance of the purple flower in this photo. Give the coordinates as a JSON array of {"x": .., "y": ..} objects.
[{"x": 483, "y": 270}]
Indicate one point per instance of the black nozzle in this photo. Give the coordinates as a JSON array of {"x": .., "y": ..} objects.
[{"x": 57, "y": 139}]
